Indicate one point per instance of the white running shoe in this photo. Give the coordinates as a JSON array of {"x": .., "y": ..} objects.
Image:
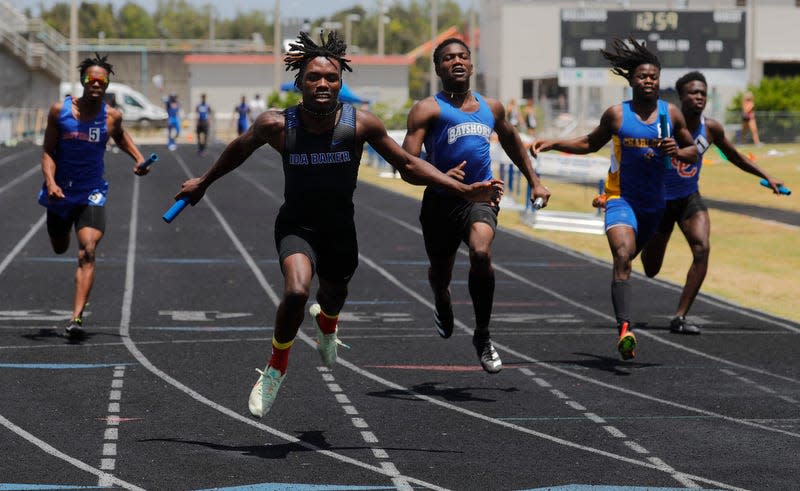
[
  {"x": 264, "y": 391},
  {"x": 327, "y": 344}
]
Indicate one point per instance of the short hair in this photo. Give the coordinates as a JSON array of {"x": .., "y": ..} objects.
[
  {"x": 305, "y": 49},
  {"x": 437, "y": 53},
  {"x": 628, "y": 55},
  {"x": 96, "y": 61},
  {"x": 693, "y": 76}
]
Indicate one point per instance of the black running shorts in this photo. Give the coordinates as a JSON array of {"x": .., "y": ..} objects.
[
  {"x": 446, "y": 221},
  {"x": 81, "y": 216},
  {"x": 681, "y": 209},
  {"x": 333, "y": 251}
]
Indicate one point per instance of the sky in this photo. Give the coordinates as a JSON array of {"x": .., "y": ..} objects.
[{"x": 229, "y": 8}]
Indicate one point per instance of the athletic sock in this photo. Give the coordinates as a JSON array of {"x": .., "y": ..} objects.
[
  {"x": 481, "y": 290},
  {"x": 327, "y": 323},
  {"x": 621, "y": 299},
  {"x": 280, "y": 355}
]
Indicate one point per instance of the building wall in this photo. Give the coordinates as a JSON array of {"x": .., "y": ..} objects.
[
  {"x": 23, "y": 87},
  {"x": 520, "y": 39}
]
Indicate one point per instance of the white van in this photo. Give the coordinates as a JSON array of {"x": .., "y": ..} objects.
[{"x": 136, "y": 108}]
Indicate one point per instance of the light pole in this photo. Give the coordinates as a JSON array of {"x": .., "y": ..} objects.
[
  {"x": 348, "y": 27},
  {"x": 276, "y": 48},
  {"x": 434, "y": 32},
  {"x": 382, "y": 20},
  {"x": 73, "y": 45}
]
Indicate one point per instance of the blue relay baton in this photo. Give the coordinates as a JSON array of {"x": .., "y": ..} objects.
[
  {"x": 150, "y": 160},
  {"x": 663, "y": 127},
  {"x": 175, "y": 209},
  {"x": 782, "y": 189}
]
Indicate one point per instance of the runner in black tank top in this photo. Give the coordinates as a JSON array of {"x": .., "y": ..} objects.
[{"x": 321, "y": 142}]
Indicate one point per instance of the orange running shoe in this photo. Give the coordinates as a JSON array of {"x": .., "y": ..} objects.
[{"x": 627, "y": 341}]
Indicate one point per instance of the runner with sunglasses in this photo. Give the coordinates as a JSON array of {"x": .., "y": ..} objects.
[{"x": 74, "y": 190}]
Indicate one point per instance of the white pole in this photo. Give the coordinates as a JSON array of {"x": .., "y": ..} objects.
[
  {"x": 434, "y": 31},
  {"x": 473, "y": 14},
  {"x": 380, "y": 28},
  {"x": 277, "y": 48},
  {"x": 73, "y": 46}
]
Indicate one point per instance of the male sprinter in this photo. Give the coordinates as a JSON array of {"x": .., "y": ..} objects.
[
  {"x": 74, "y": 190},
  {"x": 455, "y": 125},
  {"x": 685, "y": 205},
  {"x": 635, "y": 184},
  {"x": 320, "y": 141}
]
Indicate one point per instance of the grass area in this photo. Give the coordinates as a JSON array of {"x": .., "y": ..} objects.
[{"x": 752, "y": 261}]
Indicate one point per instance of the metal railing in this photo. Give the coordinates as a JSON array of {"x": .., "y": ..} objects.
[{"x": 16, "y": 32}]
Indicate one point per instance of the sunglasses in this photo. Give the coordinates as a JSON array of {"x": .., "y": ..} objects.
[{"x": 90, "y": 79}]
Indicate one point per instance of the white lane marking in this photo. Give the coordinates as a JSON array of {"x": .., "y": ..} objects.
[
  {"x": 705, "y": 297},
  {"x": 413, "y": 293},
  {"x": 630, "y": 443},
  {"x": 52, "y": 451},
  {"x": 125, "y": 323},
  {"x": 9, "y": 158},
  {"x": 20, "y": 178},
  {"x": 111, "y": 433},
  {"x": 613, "y": 431},
  {"x": 22, "y": 243},
  {"x": 708, "y": 298},
  {"x": 636, "y": 447},
  {"x": 761, "y": 387},
  {"x": 368, "y": 436}
]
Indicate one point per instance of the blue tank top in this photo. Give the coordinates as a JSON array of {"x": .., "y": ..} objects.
[
  {"x": 202, "y": 112},
  {"x": 458, "y": 136},
  {"x": 80, "y": 150},
  {"x": 683, "y": 179},
  {"x": 637, "y": 168},
  {"x": 79, "y": 161}
]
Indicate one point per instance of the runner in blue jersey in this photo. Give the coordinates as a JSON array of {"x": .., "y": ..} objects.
[
  {"x": 242, "y": 121},
  {"x": 455, "y": 126},
  {"x": 635, "y": 184},
  {"x": 74, "y": 189},
  {"x": 203, "y": 114},
  {"x": 173, "y": 121},
  {"x": 320, "y": 141},
  {"x": 684, "y": 204}
]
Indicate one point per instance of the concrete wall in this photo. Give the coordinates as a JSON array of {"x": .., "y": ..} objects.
[{"x": 23, "y": 87}]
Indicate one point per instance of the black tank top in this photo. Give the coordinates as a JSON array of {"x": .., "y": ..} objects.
[{"x": 321, "y": 171}]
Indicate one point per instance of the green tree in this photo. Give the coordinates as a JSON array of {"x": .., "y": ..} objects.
[
  {"x": 58, "y": 17},
  {"x": 94, "y": 18},
  {"x": 135, "y": 22},
  {"x": 244, "y": 25},
  {"x": 180, "y": 20}
]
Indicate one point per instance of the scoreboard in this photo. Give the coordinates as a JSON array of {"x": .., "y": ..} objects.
[{"x": 681, "y": 39}]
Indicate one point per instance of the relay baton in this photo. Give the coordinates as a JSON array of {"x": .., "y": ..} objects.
[
  {"x": 782, "y": 189},
  {"x": 664, "y": 133},
  {"x": 538, "y": 203},
  {"x": 175, "y": 209},
  {"x": 150, "y": 160}
]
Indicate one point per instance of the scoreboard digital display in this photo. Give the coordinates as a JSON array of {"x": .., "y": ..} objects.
[{"x": 681, "y": 39}]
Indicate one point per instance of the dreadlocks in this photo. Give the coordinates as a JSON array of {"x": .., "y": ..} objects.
[
  {"x": 689, "y": 77},
  {"x": 96, "y": 61},
  {"x": 629, "y": 55},
  {"x": 305, "y": 50}
]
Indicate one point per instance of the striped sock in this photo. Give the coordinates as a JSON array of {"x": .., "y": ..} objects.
[
  {"x": 280, "y": 355},
  {"x": 327, "y": 323}
]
